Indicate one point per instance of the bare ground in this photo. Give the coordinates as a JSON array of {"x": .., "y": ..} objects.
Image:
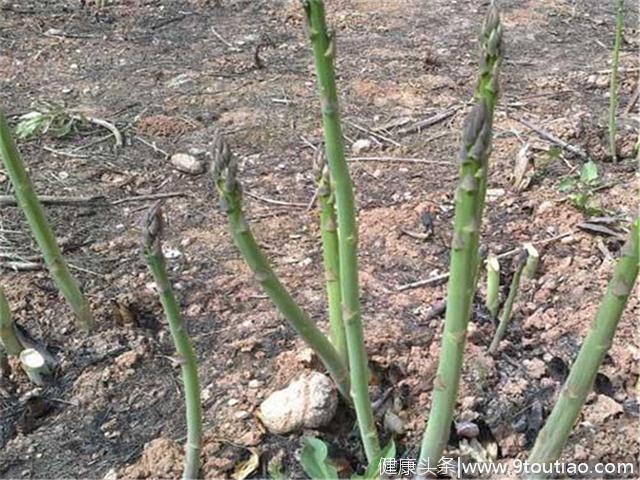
[{"x": 169, "y": 73}]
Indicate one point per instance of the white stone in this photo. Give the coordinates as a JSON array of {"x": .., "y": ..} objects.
[
  {"x": 308, "y": 402},
  {"x": 362, "y": 145},
  {"x": 187, "y": 163}
]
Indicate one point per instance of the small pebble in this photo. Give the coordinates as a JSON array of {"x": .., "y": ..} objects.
[
  {"x": 360, "y": 146},
  {"x": 187, "y": 163}
]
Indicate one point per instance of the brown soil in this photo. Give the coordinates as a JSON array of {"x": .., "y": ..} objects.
[{"x": 167, "y": 74}]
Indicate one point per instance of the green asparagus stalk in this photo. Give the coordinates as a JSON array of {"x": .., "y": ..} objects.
[
  {"x": 493, "y": 285},
  {"x": 553, "y": 436},
  {"x": 152, "y": 245},
  {"x": 42, "y": 232},
  {"x": 505, "y": 316},
  {"x": 225, "y": 169},
  {"x": 324, "y": 50},
  {"x": 613, "y": 80},
  {"x": 8, "y": 337},
  {"x": 330, "y": 252},
  {"x": 474, "y": 155},
  {"x": 533, "y": 258}
]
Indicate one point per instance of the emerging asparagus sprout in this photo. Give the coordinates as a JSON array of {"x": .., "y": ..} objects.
[
  {"x": 470, "y": 198},
  {"x": 32, "y": 209},
  {"x": 8, "y": 338},
  {"x": 152, "y": 247},
  {"x": 613, "y": 81},
  {"x": 330, "y": 252},
  {"x": 553, "y": 436},
  {"x": 323, "y": 43},
  {"x": 493, "y": 285},
  {"x": 505, "y": 316},
  {"x": 225, "y": 171},
  {"x": 533, "y": 258}
]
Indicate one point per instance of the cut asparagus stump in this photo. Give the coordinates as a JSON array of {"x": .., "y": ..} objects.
[
  {"x": 493, "y": 285},
  {"x": 152, "y": 246},
  {"x": 323, "y": 43},
  {"x": 553, "y": 436},
  {"x": 32, "y": 209},
  {"x": 505, "y": 316},
  {"x": 463, "y": 268},
  {"x": 330, "y": 252},
  {"x": 35, "y": 366},
  {"x": 8, "y": 337},
  {"x": 225, "y": 170}
]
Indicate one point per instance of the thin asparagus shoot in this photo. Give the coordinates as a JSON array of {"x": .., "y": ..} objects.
[
  {"x": 493, "y": 285},
  {"x": 474, "y": 156},
  {"x": 553, "y": 436},
  {"x": 323, "y": 43},
  {"x": 533, "y": 259},
  {"x": 225, "y": 171},
  {"x": 8, "y": 338},
  {"x": 32, "y": 209},
  {"x": 152, "y": 247},
  {"x": 330, "y": 253},
  {"x": 613, "y": 80},
  {"x": 505, "y": 316}
]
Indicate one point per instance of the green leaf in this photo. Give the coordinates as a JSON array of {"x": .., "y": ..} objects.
[
  {"x": 314, "y": 461},
  {"x": 373, "y": 470},
  {"x": 275, "y": 470},
  {"x": 589, "y": 173},
  {"x": 29, "y": 124},
  {"x": 567, "y": 184},
  {"x": 554, "y": 153}
]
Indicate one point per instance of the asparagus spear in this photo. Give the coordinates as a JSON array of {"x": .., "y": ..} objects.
[
  {"x": 533, "y": 259},
  {"x": 225, "y": 169},
  {"x": 476, "y": 147},
  {"x": 508, "y": 305},
  {"x": 8, "y": 338},
  {"x": 330, "y": 252},
  {"x": 493, "y": 285},
  {"x": 28, "y": 201},
  {"x": 324, "y": 50},
  {"x": 553, "y": 437},
  {"x": 152, "y": 246},
  {"x": 613, "y": 81}
]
